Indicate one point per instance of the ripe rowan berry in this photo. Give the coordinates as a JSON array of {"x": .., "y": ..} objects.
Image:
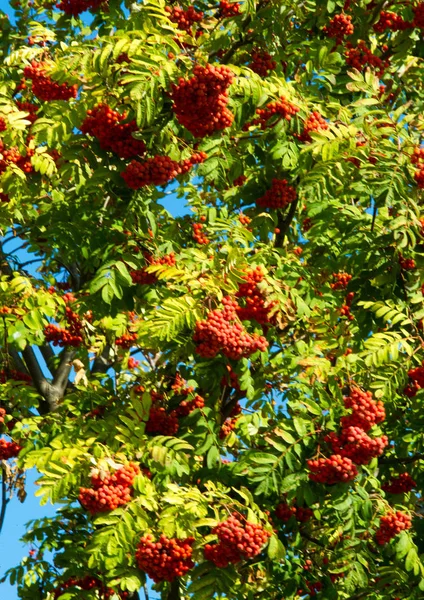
[
  {"x": 401, "y": 484},
  {"x": 262, "y": 62},
  {"x": 44, "y": 88},
  {"x": 184, "y": 19},
  {"x": 166, "y": 559},
  {"x": 238, "y": 540},
  {"x": 8, "y": 449},
  {"x": 355, "y": 444},
  {"x": 339, "y": 27},
  {"x": 390, "y": 525},
  {"x": 392, "y": 21},
  {"x": 114, "y": 135},
  {"x": 280, "y": 195},
  {"x": 109, "y": 490},
  {"x": 366, "y": 412},
  {"x": 335, "y": 469},
  {"x": 74, "y": 8},
  {"x": 340, "y": 281},
  {"x": 223, "y": 332},
  {"x": 200, "y": 103},
  {"x": 229, "y": 9},
  {"x": 361, "y": 57},
  {"x": 315, "y": 122},
  {"x": 281, "y": 108}
]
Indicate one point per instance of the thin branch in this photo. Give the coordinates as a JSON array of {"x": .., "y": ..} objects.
[
  {"x": 374, "y": 215},
  {"x": 4, "y": 499},
  {"x": 402, "y": 461},
  {"x": 284, "y": 223},
  {"x": 146, "y": 592},
  {"x": 174, "y": 591}
]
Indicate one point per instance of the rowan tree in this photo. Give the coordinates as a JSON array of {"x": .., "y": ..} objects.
[{"x": 224, "y": 404}]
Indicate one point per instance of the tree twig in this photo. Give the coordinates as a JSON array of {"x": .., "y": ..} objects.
[
  {"x": 403, "y": 461},
  {"x": 62, "y": 373},
  {"x": 284, "y": 223},
  {"x": 174, "y": 591}
]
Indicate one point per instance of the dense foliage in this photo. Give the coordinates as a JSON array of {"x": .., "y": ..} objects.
[{"x": 224, "y": 404}]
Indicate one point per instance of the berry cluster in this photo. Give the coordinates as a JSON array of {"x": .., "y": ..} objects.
[
  {"x": 392, "y": 21},
  {"x": 366, "y": 412},
  {"x": 244, "y": 219},
  {"x": 284, "y": 512},
  {"x": 227, "y": 427},
  {"x": 107, "y": 126},
  {"x": 188, "y": 406},
  {"x": 76, "y": 7},
  {"x": 355, "y": 444},
  {"x": 44, "y": 88},
  {"x": 200, "y": 103},
  {"x": 340, "y": 281},
  {"x": 6, "y": 374},
  {"x": 407, "y": 264},
  {"x": 3, "y": 124},
  {"x": 390, "y": 525},
  {"x": 262, "y": 62},
  {"x": 280, "y": 108},
  {"x": 419, "y": 16},
  {"x": 417, "y": 158},
  {"x": 126, "y": 341},
  {"x": 280, "y": 195},
  {"x": 254, "y": 308},
  {"x": 240, "y": 180},
  {"x": 166, "y": 559},
  {"x": 2, "y": 415},
  {"x": 184, "y": 18},
  {"x": 345, "y": 309},
  {"x": 417, "y": 376},
  {"x": 306, "y": 224},
  {"x": 335, "y": 469},
  {"x": 339, "y": 27},
  {"x": 88, "y": 583},
  {"x": 401, "y": 484},
  {"x": 223, "y": 332},
  {"x": 229, "y": 9},
  {"x": 360, "y": 57},
  {"x": 162, "y": 423},
  {"x": 238, "y": 539},
  {"x": 13, "y": 156},
  {"x": 142, "y": 277},
  {"x": 70, "y": 336},
  {"x": 157, "y": 170},
  {"x": 198, "y": 235},
  {"x": 30, "y": 108},
  {"x": 8, "y": 449},
  {"x": 110, "y": 490},
  {"x": 315, "y": 122}
]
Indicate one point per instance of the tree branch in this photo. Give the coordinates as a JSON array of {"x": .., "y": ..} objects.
[
  {"x": 284, "y": 223},
  {"x": 19, "y": 363},
  {"x": 402, "y": 461},
  {"x": 62, "y": 373},
  {"x": 50, "y": 394},
  {"x": 48, "y": 354},
  {"x": 102, "y": 362},
  {"x": 174, "y": 590}
]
